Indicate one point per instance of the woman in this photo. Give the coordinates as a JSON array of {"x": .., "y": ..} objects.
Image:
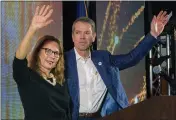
[{"x": 41, "y": 84}]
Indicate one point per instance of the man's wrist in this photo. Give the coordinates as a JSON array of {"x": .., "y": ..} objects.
[{"x": 154, "y": 35}]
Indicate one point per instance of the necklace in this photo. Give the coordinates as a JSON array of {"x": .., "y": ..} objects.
[{"x": 51, "y": 79}]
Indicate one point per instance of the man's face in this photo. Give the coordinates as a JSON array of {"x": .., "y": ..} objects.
[{"x": 83, "y": 36}]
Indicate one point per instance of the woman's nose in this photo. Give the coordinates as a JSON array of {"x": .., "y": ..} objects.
[{"x": 52, "y": 55}]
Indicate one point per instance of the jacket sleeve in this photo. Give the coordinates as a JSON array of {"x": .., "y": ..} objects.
[
  {"x": 124, "y": 61},
  {"x": 20, "y": 70}
]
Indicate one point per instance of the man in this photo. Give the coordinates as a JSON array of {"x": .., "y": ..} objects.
[{"x": 93, "y": 76}]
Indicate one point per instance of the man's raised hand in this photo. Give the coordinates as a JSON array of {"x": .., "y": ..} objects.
[{"x": 158, "y": 23}]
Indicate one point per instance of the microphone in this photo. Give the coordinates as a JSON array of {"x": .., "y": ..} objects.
[{"x": 158, "y": 70}]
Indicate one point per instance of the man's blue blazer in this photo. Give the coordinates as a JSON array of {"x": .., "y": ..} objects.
[{"x": 108, "y": 67}]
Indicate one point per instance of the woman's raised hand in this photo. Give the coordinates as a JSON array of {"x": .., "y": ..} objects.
[{"x": 42, "y": 17}]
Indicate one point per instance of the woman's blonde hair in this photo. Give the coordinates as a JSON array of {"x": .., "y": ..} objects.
[{"x": 58, "y": 71}]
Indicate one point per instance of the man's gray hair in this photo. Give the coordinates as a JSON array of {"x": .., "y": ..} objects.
[{"x": 84, "y": 19}]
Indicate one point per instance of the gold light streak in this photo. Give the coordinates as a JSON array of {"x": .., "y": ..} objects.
[
  {"x": 130, "y": 23},
  {"x": 132, "y": 20},
  {"x": 112, "y": 32},
  {"x": 86, "y": 8},
  {"x": 104, "y": 25},
  {"x": 112, "y": 24},
  {"x": 6, "y": 51},
  {"x": 7, "y": 110},
  {"x": 139, "y": 41},
  {"x": 142, "y": 95}
]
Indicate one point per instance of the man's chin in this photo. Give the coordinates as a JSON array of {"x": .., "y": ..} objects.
[{"x": 83, "y": 49}]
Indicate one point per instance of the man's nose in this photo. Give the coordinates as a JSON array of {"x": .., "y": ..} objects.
[{"x": 82, "y": 35}]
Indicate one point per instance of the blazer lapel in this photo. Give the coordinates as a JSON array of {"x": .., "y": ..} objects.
[
  {"x": 72, "y": 77},
  {"x": 101, "y": 67}
]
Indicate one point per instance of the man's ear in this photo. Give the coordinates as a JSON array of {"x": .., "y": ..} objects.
[
  {"x": 94, "y": 36},
  {"x": 72, "y": 37}
]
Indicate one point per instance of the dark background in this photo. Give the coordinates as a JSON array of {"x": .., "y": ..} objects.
[{"x": 151, "y": 8}]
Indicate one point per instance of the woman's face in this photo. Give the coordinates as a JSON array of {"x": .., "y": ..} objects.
[{"x": 48, "y": 56}]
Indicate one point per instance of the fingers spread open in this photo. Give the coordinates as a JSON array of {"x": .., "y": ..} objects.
[
  {"x": 49, "y": 14},
  {"x": 153, "y": 20},
  {"x": 42, "y": 9},
  {"x": 163, "y": 16},
  {"x": 46, "y": 10},
  {"x": 36, "y": 11},
  {"x": 159, "y": 15},
  {"x": 165, "y": 22}
]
